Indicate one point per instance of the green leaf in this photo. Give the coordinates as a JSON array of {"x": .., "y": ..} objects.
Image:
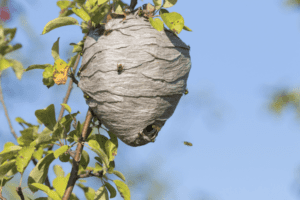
[
  {"x": 11, "y": 48},
  {"x": 82, "y": 14},
  {"x": 77, "y": 48},
  {"x": 99, "y": 14},
  {"x": 40, "y": 171},
  {"x": 84, "y": 27},
  {"x": 58, "y": 132},
  {"x": 63, "y": 4},
  {"x": 38, "y": 154},
  {"x": 10, "y": 151},
  {"x": 43, "y": 138},
  {"x": 6, "y": 167},
  {"x": 113, "y": 138},
  {"x": 65, "y": 13},
  {"x": 58, "y": 170},
  {"x": 12, "y": 171},
  {"x": 55, "y": 50},
  {"x": 111, "y": 167},
  {"x": 67, "y": 120},
  {"x": 48, "y": 72},
  {"x": 52, "y": 194},
  {"x": 31, "y": 67},
  {"x": 60, "y": 151},
  {"x": 60, "y": 184},
  {"x": 58, "y": 22},
  {"x": 169, "y": 3},
  {"x": 96, "y": 148},
  {"x": 23, "y": 158},
  {"x": 101, "y": 194},
  {"x": 75, "y": 134},
  {"x": 110, "y": 149},
  {"x": 4, "y": 180},
  {"x": 80, "y": 1},
  {"x": 101, "y": 139},
  {"x": 66, "y": 107},
  {"x": 65, "y": 157},
  {"x": 119, "y": 10},
  {"x": 18, "y": 68},
  {"x": 102, "y": 1},
  {"x": 187, "y": 28},
  {"x": 22, "y": 121},
  {"x": 72, "y": 61},
  {"x": 157, "y": 24},
  {"x": 157, "y": 4},
  {"x": 98, "y": 167},
  {"x": 28, "y": 135},
  {"x": 162, "y": 11},
  {"x": 11, "y": 32},
  {"x": 119, "y": 174},
  {"x": 84, "y": 160},
  {"x": 123, "y": 189},
  {"x": 47, "y": 116},
  {"x": 111, "y": 189},
  {"x": 88, "y": 192},
  {"x": 174, "y": 21},
  {"x": 5, "y": 63},
  {"x": 49, "y": 82}
]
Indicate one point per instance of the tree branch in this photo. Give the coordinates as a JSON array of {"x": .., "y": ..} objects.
[
  {"x": 20, "y": 193},
  {"x": 132, "y": 4},
  {"x": 6, "y": 113},
  {"x": 75, "y": 166}
]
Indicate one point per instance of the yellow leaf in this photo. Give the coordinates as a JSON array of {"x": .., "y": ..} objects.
[{"x": 60, "y": 72}]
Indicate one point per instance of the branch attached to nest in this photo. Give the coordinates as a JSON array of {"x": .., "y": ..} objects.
[{"x": 132, "y": 4}]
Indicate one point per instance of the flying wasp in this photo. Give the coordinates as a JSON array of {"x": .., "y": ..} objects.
[{"x": 188, "y": 143}]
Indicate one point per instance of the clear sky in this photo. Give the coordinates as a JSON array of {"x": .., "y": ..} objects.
[{"x": 242, "y": 52}]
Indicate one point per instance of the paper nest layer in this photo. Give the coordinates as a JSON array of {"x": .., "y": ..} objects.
[{"x": 146, "y": 92}]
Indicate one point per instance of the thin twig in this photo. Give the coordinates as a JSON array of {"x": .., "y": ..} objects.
[
  {"x": 75, "y": 166},
  {"x": 6, "y": 113},
  {"x": 69, "y": 89},
  {"x": 62, "y": 107}
]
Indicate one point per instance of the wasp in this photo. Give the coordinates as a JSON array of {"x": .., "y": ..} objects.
[
  {"x": 186, "y": 91},
  {"x": 188, "y": 143},
  {"x": 120, "y": 68},
  {"x": 86, "y": 96}
]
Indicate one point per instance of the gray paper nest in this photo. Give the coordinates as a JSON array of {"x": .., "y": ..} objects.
[{"x": 156, "y": 66}]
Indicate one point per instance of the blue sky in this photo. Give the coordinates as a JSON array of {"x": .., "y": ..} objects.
[{"x": 242, "y": 52}]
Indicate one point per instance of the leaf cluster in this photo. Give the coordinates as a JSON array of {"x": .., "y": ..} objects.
[
  {"x": 93, "y": 12},
  {"x": 31, "y": 144},
  {"x": 6, "y": 36},
  {"x": 58, "y": 72}
]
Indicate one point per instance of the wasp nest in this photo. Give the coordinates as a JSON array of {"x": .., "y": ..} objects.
[{"x": 134, "y": 76}]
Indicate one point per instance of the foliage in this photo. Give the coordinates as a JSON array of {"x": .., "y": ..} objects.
[
  {"x": 284, "y": 98},
  {"x": 6, "y": 36},
  {"x": 36, "y": 146}
]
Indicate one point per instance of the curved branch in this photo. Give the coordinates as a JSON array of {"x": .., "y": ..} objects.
[{"x": 6, "y": 113}]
